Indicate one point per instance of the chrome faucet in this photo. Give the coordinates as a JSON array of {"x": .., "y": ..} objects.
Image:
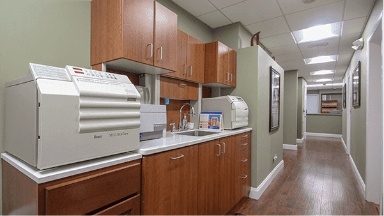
[{"x": 191, "y": 112}]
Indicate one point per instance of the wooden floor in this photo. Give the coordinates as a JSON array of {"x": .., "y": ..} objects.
[{"x": 317, "y": 179}]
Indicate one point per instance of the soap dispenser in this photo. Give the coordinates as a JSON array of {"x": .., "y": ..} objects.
[{"x": 185, "y": 122}]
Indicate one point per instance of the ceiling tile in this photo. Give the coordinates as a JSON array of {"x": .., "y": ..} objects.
[
  {"x": 224, "y": 3},
  {"x": 330, "y": 13},
  {"x": 196, "y": 7},
  {"x": 270, "y": 27},
  {"x": 280, "y": 50},
  {"x": 289, "y": 57},
  {"x": 354, "y": 25},
  {"x": 252, "y": 11},
  {"x": 278, "y": 40},
  {"x": 214, "y": 19},
  {"x": 320, "y": 48},
  {"x": 292, "y": 6},
  {"x": 357, "y": 8}
]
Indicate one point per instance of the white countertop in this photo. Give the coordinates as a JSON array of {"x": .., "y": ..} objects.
[
  {"x": 174, "y": 141},
  {"x": 42, "y": 176}
]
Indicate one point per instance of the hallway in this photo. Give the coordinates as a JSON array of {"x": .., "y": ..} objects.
[{"x": 317, "y": 179}]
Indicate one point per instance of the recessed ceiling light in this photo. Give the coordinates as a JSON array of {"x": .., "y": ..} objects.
[
  {"x": 319, "y": 32},
  {"x": 320, "y": 59},
  {"x": 323, "y": 80},
  {"x": 326, "y": 84},
  {"x": 322, "y": 72}
]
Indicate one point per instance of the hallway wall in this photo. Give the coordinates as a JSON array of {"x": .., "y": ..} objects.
[
  {"x": 358, "y": 115},
  {"x": 290, "y": 106}
]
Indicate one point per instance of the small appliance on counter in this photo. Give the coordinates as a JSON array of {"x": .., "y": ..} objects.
[
  {"x": 234, "y": 109},
  {"x": 153, "y": 121},
  {"x": 57, "y": 116}
]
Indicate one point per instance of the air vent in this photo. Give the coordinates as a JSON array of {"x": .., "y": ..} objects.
[
  {"x": 314, "y": 45},
  {"x": 308, "y": 1}
]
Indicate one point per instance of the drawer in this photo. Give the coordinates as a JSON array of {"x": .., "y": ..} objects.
[
  {"x": 129, "y": 206},
  {"x": 89, "y": 192}
]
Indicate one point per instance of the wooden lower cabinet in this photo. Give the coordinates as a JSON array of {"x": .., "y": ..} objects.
[
  {"x": 242, "y": 167},
  {"x": 169, "y": 182},
  {"x": 112, "y": 190}
]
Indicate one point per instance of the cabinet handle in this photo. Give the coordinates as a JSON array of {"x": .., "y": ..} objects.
[
  {"x": 178, "y": 157},
  {"x": 244, "y": 176},
  {"x": 227, "y": 77},
  {"x": 244, "y": 144},
  {"x": 231, "y": 75},
  {"x": 244, "y": 160},
  {"x": 161, "y": 53},
  {"x": 224, "y": 147},
  {"x": 182, "y": 85},
  {"x": 150, "y": 50},
  {"x": 218, "y": 154},
  {"x": 191, "y": 70}
]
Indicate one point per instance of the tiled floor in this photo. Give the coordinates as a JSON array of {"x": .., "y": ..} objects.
[{"x": 317, "y": 179}]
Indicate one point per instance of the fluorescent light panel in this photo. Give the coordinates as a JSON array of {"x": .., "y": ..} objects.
[
  {"x": 320, "y": 59},
  {"x": 322, "y": 72},
  {"x": 323, "y": 80},
  {"x": 317, "y": 33},
  {"x": 327, "y": 84}
]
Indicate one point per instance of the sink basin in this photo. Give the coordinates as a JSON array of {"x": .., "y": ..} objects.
[{"x": 197, "y": 133}]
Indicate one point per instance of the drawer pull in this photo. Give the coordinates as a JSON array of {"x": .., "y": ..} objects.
[
  {"x": 182, "y": 85},
  {"x": 245, "y": 136},
  {"x": 178, "y": 157},
  {"x": 244, "y": 144},
  {"x": 218, "y": 154},
  {"x": 244, "y": 176},
  {"x": 244, "y": 160}
]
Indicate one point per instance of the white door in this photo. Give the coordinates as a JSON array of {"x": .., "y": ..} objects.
[{"x": 313, "y": 103}]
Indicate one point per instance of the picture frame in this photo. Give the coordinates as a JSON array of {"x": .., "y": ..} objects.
[
  {"x": 356, "y": 86},
  {"x": 345, "y": 96},
  {"x": 274, "y": 100}
]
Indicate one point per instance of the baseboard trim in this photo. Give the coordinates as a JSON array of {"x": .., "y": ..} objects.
[
  {"x": 357, "y": 174},
  {"x": 256, "y": 193},
  {"x": 345, "y": 145},
  {"x": 324, "y": 135},
  {"x": 300, "y": 140},
  {"x": 290, "y": 147}
]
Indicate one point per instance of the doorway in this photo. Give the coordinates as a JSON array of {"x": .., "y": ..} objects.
[{"x": 374, "y": 128}]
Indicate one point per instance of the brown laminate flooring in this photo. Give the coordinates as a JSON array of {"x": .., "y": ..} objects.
[{"x": 317, "y": 179}]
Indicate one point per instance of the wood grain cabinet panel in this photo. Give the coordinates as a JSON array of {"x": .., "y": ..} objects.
[
  {"x": 110, "y": 190},
  {"x": 190, "y": 58},
  {"x": 141, "y": 31},
  {"x": 178, "y": 89},
  {"x": 170, "y": 182},
  {"x": 220, "y": 65}
]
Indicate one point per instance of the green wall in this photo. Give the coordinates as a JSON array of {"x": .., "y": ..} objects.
[
  {"x": 253, "y": 74},
  {"x": 189, "y": 23},
  {"x": 52, "y": 32},
  {"x": 290, "y": 106},
  {"x": 323, "y": 123}
]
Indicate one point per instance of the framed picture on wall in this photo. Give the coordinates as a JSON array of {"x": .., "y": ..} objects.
[
  {"x": 274, "y": 100},
  {"x": 345, "y": 96},
  {"x": 356, "y": 86}
]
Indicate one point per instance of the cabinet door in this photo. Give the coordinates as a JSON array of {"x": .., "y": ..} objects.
[
  {"x": 232, "y": 61},
  {"x": 195, "y": 60},
  {"x": 137, "y": 30},
  {"x": 227, "y": 182},
  {"x": 210, "y": 175},
  {"x": 223, "y": 75},
  {"x": 169, "y": 182},
  {"x": 165, "y": 39}
]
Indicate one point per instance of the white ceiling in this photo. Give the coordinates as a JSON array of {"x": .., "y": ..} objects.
[{"x": 276, "y": 19}]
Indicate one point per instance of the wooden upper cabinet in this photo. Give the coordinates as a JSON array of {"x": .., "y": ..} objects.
[
  {"x": 220, "y": 65},
  {"x": 190, "y": 58},
  {"x": 178, "y": 89},
  {"x": 132, "y": 34}
]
